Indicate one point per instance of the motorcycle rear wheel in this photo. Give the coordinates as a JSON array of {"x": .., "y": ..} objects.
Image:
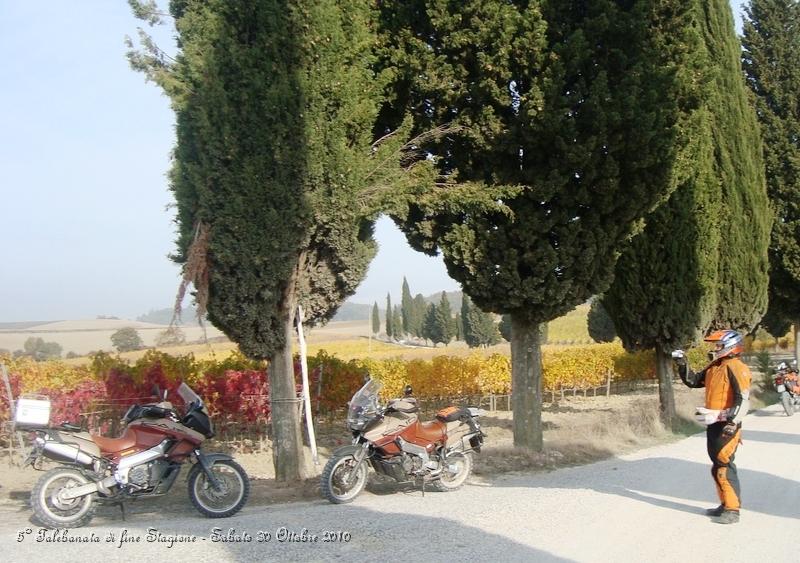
[
  {"x": 332, "y": 482},
  {"x": 55, "y": 512},
  {"x": 788, "y": 404},
  {"x": 458, "y": 467},
  {"x": 235, "y": 488}
]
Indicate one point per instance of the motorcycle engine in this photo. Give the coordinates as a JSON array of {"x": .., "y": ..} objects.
[{"x": 147, "y": 474}]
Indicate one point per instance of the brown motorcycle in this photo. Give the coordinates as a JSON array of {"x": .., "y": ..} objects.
[
  {"x": 144, "y": 462},
  {"x": 392, "y": 440}
]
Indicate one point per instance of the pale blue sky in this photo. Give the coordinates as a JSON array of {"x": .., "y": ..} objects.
[{"x": 84, "y": 216}]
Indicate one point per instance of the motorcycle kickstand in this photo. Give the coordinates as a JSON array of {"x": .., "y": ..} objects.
[{"x": 122, "y": 509}]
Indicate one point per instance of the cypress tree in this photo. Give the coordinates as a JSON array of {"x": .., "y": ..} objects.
[
  {"x": 459, "y": 324},
  {"x": 771, "y": 61},
  {"x": 429, "y": 326},
  {"x": 482, "y": 329},
  {"x": 444, "y": 327},
  {"x": 273, "y": 170},
  {"x": 579, "y": 115},
  {"x": 407, "y": 307},
  {"x": 673, "y": 282},
  {"x": 746, "y": 217},
  {"x": 599, "y": 323},
  {"x": 397, "y": 322},
  {"x": 420, "y": 309},
  {"x": 389, "y": 317},
  {"x": 376, "y": 319},
  {"x": 466, "y": 308}
]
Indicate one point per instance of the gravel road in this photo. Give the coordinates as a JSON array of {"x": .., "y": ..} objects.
[{"x": 646, "y": 506}]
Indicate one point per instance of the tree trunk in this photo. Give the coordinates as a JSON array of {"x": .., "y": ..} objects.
[
  {"x": 666, "y": 397},
  {"x": 797, "y": 341},
  {"x": 287, "y": 442},
  {"x": 526, "y": 383}
]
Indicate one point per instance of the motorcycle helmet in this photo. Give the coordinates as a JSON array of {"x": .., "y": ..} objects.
[{"x": 726, "y": 343}]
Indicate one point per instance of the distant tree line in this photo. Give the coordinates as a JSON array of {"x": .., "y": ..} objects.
[{"x": 435, "y": 322}]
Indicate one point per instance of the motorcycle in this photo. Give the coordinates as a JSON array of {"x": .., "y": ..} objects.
[
  {"x": 787, "y": 384},
  {"x": 144, "y": 462},
  {"x": 394, "y": 442}
]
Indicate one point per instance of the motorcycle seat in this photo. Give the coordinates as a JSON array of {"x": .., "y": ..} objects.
[
  {"x": 115, "y": 445},
  {"x": 433, "y": 431}
]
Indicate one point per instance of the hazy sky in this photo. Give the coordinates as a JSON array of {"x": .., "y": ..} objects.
[{"x": 84, "y": 206}]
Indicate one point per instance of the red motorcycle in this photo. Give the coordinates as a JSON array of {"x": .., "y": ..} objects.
[
  {"x": 395, "y": 443},
  {"x": 144, "y": 462}
]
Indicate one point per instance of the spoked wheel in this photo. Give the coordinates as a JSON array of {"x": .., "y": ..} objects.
[
  {"x": 341, "y": 481},
  {"x": 52, "y": 509},
  {"x": 457, "y": 468},
  {"x": 229, "y": 498}
]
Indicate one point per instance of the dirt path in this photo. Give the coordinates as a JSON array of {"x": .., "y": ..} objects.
[{"x": 641, "y": 506}]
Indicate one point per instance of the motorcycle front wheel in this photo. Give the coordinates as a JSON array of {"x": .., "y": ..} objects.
[
  {"x": 54, "y": 511},
  {"x": 788, "y": 404},
  {"x": 231, "y": 495},
  {"x": 457, "y": 468},
  {"x": 338, "y": 482}
]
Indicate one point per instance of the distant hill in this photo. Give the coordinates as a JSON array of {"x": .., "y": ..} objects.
[
  {"x": 164, "y": 316},
  {"x": 22, "y": 325},
  {"x": 454, "y": 297},
  {"x": 353, "y": 312}
]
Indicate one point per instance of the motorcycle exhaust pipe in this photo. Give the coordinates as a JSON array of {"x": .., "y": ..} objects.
[{"x": 67, "y": 453}]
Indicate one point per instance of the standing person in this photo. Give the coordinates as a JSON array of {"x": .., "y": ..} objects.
[{"x": 727, "y": 382}]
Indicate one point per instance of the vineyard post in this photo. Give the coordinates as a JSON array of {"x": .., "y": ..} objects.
[{"x": 11, "y": 407}]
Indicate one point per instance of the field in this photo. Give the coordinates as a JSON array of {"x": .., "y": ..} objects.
[{"x": 347, "y": 340}]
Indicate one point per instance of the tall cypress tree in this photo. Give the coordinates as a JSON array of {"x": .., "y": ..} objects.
[
  {"x": 673, "y": 281},
  {"x": 376, "y": 319},
  {"x": 407, "y": 307},
  {"x": 466, "y": 307},
  {"x": 771, "y": 61},
  {"x": 579, "y": 114},
  {"x": 389, "y": 317},
  {"x": 275, "y": 104},
  {"x": 397, "y": 322},
  {"x": 739, "y": 164},
  {"x": 480, "y": 327},
  {"x": 445, "y": 328},
  {"x": 420, "y": 309}
]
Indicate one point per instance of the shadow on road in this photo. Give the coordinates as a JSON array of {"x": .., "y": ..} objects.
[
  {"x": 639, "y": 479},
  {"x": 770, "y": 437},
  {"x": 373, "y": 535}
]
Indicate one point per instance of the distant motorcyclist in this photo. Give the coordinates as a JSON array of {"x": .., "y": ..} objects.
[{"x": 727, "y": 383}]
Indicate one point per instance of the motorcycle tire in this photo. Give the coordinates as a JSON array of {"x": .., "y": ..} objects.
[
  {"x": 53, "y": 512},
  {"x": 788, "y": 404},
  {"x": 219, "y": 503},
  {"x": 336, "y": 470},
  {"x": 456, "y": 472}
]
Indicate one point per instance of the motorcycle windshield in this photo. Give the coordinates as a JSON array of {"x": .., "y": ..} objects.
[
  {"x": 188, "y": 395},
  {"x": 366, "y": 399}
]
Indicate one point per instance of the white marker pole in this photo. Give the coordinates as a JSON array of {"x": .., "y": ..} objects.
[{"x": 306, "y": 392}]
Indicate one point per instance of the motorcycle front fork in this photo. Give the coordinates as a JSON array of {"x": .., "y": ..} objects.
[{"x": 360, "y": 457}]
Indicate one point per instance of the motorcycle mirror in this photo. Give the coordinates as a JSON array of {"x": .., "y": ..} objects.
[{"x": 408, "y": 391}]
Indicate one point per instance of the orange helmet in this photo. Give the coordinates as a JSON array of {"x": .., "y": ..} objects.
[{"x": 726, "y": 343}]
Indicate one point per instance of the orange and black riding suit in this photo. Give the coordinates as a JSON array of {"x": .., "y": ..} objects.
[{"x": 727, "y": 383}]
